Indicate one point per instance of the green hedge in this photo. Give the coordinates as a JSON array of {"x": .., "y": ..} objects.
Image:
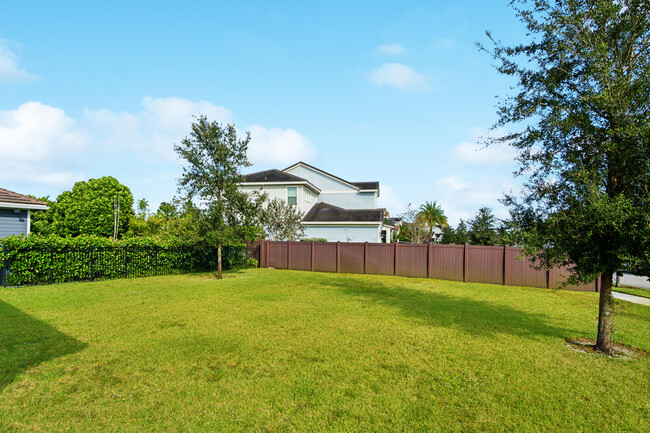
[{"x": 51, "y": 259}]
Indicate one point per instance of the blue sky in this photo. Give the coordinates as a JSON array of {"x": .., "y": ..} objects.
[{"x": 390, "y": 91}]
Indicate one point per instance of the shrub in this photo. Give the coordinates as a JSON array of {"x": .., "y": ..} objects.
[{"x": 313, "y": 239}]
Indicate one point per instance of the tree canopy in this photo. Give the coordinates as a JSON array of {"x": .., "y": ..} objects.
[
  {"x": 88, "y": 208},
  {"x": 580, "y": 121},
  {"x": 433, "y": 216}
]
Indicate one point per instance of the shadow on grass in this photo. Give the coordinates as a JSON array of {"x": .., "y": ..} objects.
[
  {"x": 26, "y": 342},
  {"x": 475, "y": 317}
]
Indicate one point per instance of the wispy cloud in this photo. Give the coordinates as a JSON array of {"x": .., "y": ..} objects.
[
  {"x": 9, "y": 69},
  {"x": 474, "y": 152},
  {"x": 402, "y": 77},
  {"x": 442, "y": 43},
  {"x": 394, "y": 49}
]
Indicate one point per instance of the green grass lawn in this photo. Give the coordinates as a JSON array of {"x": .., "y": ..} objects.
[
  {"x": 644, "y": 293},
  {"x": 272, "y": 350}
]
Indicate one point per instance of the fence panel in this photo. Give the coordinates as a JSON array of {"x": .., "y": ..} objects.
[
  {"x": 412, "y": 260},
  {"x": 352, "y": 258},
  {"x": 558, "y": 275},
  {"x": 277, "y": 255},
  {"x": 447, "y": 262},
  {"x": 485, "y": 264},
  {"x": 325, "y": 256},
  {"x": 521, "y": 271},
  {"x": 381, "y": 259},
  {"x": 300, "y": 256}
]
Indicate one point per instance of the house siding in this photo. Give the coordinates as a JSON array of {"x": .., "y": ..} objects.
[
  {"x": 358, "y": 200},
  {"x": 280, "y": 191},
  {"x": 342, "y": 233},
  {"x": 319, "y": 180},
  {"x": 12, "y": 223}
]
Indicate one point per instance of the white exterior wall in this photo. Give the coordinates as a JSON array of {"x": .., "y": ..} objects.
[
  {"x": 306, "y": 197},
  {"x": 343, "y": 233}
]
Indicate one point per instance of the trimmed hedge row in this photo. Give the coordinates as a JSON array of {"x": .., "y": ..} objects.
[{"x": 46, "y": 260}]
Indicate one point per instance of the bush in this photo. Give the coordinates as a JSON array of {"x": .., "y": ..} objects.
[
  {"x": 52, "y": 259},
  {"x": 252, "y": 263},
  {"x": 313, "y": 240}
]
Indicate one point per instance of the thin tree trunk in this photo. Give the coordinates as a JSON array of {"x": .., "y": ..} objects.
[
  {"x": 603, "y": 340},
  {"x": 219, "y": 276}
]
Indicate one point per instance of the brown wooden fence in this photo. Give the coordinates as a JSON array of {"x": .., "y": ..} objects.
[{"x": 470, "y": 263}]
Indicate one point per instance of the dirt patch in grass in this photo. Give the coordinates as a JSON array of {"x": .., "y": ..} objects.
[{"x": 619, "y": 351}]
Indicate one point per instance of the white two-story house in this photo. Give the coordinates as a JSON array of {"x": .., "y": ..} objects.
[{"x": 334, "y": 209}]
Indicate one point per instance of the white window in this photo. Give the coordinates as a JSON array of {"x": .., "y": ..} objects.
[{"x": 292, "y": 196}]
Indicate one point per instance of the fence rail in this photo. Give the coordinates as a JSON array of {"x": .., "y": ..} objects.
[
  {"x": 43, "y": 265},
  {"x": 470, "y": 263}
]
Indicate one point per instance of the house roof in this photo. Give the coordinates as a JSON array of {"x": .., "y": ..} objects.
[
  {"x": 325, "y": 212},
  {"x": 272, "y": 176},
  {"x": 13, "y": 199},
  {"x": 360, "y": 185}
]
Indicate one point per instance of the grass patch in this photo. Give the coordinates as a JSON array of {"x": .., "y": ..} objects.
[
  {"x": 644, "y": 293},
  {"x": 272, "y": 350}
]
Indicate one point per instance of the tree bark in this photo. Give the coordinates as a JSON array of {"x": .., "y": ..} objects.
[
  {"x": 603, "y": 340},
  {"x": 219, "y": 276}
]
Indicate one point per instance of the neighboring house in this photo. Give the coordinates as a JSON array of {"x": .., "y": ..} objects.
[
  {"x": 15, "y": 212},
  {"x": 334, "y": 208}
]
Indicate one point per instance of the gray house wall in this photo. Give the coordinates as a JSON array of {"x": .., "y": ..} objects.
[{"x": 12, "y": 223}]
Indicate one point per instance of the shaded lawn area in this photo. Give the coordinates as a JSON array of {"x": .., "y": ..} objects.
[{"x": 272, "y": 350}]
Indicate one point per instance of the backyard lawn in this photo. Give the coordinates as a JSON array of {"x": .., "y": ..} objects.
[{"x": 273, "y": 350}]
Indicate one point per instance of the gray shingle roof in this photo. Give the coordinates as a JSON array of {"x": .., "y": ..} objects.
[
  {"x": 272, "y": 176},
  {"x": 324, "y": 212},
  {"x": 7, "y": 196}
]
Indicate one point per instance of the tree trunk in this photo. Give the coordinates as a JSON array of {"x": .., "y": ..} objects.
[
  {"x": 219, "y": 276},
  {"x": 603, "y": 340}
]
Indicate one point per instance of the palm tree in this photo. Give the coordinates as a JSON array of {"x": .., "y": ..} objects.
[{"x": 433, "y": 216}]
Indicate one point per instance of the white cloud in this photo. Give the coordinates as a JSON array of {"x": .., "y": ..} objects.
[
  {"x": 161, "y": 123},
  {"x": 462, "y": 197},
  {"x": 390, "y": 200},
  {"x": 473, "y": 152},
  {"x": 41, "y": 146},
  {"x": 394, "y": 49},
  {"x": 35, "y": 139},
  {"x": 402, "y": 77},
  {"x": 277, "y": 146},
  {"x": 9, "y": 69}
]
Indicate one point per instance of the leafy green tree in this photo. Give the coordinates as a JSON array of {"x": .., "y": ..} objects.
[
  {"x": 281, "y": 222},
  {"x": 581, "y": 123},
  {"x": 482, "y": 228},
  {"x": 41, "y": 220},
  {"x": 88, "y": 208},
  {"x": 413, "y": 228},
  {"x": 433, "y": 216},
  {"x": 214, "y": 156}
]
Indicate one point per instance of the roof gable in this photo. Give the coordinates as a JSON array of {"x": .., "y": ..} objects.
[
  {"x": 272, "y": 176},
  {"x": 313, "y": 174}
]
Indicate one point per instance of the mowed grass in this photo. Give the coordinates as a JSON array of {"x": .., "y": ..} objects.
[
  {"x": 644, "y": 293},
  {"x": 273, "y": 350}
]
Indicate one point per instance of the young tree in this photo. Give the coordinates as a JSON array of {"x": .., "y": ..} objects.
[
  {"x": 214, "y": 156},
  {"x": 413, "y": 227},
  {"x": 581, "y": 123},
  {"x": 482, "y": 228},
  {"x": 281, "y": 222},
  {"x": 433, "y": 216}
]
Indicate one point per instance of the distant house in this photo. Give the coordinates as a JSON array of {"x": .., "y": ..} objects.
[
  {"x": 335, "y": 209},
  {"x": 15, "y": 212}
]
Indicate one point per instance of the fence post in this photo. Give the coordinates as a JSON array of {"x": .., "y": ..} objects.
[
  {"x": 312, "y": 256},
  {"x": 429, "y": 248},
  {"x": 4, "y": 266},
  {"x": 395, "y": 259},
  {"x": 365, "y": 257},
  {"x": 465, "y": 262},
  {"x": 288, "y": 255},
  {"x": 506, "y": 265},
  {"x": 338, "y": 256},
  {"x": 51, "y": 267}
]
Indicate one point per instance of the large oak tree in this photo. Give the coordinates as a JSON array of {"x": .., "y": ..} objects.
[{"x": 580, "y": 116}]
